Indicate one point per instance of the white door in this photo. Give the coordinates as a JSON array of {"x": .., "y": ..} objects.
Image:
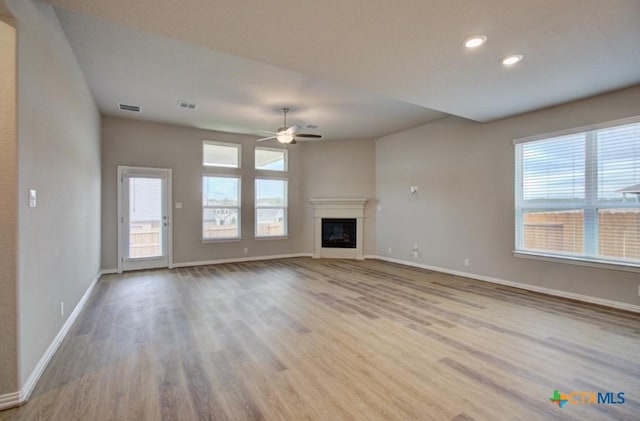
[{"x": 144, "y": 215}]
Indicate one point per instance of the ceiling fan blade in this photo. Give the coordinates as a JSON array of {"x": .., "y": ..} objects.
[
  {"x": 308, "y": 135},
  {"x": 265, "y": 138},
  {"x": 292, "y": 129},
  {"x": 314, "y": 139}
]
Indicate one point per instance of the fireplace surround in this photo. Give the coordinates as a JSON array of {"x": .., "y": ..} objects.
[{"x": 340, "y": 223}]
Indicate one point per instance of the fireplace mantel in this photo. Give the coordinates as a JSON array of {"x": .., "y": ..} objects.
[{"x": 339, "y": 208}]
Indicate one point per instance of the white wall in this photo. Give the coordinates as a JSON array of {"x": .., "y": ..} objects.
[
  {"x": 337, "y": 169},
  {"x": 59, "y": 156},
  {"x": 465, "y": 204},
  {"x": 146, "y": 144},
  {"x": 8, "y": 208}
]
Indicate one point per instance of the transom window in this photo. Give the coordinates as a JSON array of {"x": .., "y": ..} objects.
[
  {"x": 219, "y": 154},
  {"x": 271, "y": 159},
  {"x": 578, "y": 194}
]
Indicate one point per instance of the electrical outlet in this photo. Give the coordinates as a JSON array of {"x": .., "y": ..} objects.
[
  {"x": 246, "y": 250},
  {"x": 389, "y": 250},
  {"x": 379, "y": 208},
  {"x": 61, "y": 308},
  {"x": 466, "y": 262}
]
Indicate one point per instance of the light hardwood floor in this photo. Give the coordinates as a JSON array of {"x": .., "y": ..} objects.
[{"x": 333, "y": 340}]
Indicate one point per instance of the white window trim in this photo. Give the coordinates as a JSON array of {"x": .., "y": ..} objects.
[
  {"x": 239, "y": 207},
  {"x": 597, "y": 126},
  {"x": 286, "y": 211},
  {"x": 588, "y": 202},
  {"x": 579, "y": 261},
  {"x": 237, "y": 146},
  {"x": 264, "y": 148}
]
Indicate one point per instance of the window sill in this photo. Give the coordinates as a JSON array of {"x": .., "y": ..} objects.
[
  {"x": 601, "y": 264},
  {"x": 221, "y": 240},
  {"x": 280, "y": 237}
]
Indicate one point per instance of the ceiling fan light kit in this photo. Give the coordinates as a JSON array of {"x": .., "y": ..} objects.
[{"x": 288, "y": 134}]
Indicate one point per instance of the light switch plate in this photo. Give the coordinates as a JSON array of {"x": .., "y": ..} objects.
[
  {"x": 33, "y": 195},
  {"x": 178, "y": 205}
]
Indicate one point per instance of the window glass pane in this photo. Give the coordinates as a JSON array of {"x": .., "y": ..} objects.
[
  {"x": 220, "y": 155},
  {"x": 271, "y": 193},
  {"x": 220, "y": 223},
  {"x": 619, "y": 233},
  {"x": 270, "y": 222},
  {"x": 271, "y": 208},
  {"x": 553, "y": 169},
  {"x": 221, "y": 207},
  {"x": 220, "y": 191},
  {"x": 271, "y": 159},
  {"x": 554, "y": 231},
  {"x": 619, "y": 163}
]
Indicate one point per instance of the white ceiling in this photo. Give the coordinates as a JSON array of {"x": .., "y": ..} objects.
[
  {"x": 233, "y": 94},
  {"x": 409, "y": 50}
]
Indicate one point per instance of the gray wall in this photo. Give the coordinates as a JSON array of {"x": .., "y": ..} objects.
[
  {"x": 8, "y": 207},
  {"x": 59, "y": 156},
  {"x": 145, "y": 144},
  {"x": 339, "y": 169},
  {"x": 327, "y": 169},
  {"x": 464, "y": 208}
]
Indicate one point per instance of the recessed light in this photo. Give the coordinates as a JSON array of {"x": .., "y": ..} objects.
[
  {"x": 511, "y": 60},
  {"x": 475, "y": 41}
]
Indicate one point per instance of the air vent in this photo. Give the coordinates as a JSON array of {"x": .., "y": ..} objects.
[
  {"x": 311, "y": 126},
  {"x": 125, "y": 107},
  {"x": 187, "y": 105}
]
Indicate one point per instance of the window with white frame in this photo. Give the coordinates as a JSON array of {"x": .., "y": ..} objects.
[
  {"x": 220, "y": 154},
  {"x": 271, "y": 207},
  {"x": 578, "y": 194},
  {"x": 220, "y": 207},
  {"x": 271, "y": 159}
]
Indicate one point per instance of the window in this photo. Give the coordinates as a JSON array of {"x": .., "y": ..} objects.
[
  {"x": 220, "y": 207},
  {"x": 218, "y": 154},
  {"x": 578, "y": 195},
  {"x": 271, "y": 159},
  {"x": 271, "y": 207}
]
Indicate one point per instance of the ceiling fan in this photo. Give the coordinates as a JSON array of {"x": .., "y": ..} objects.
[{"x": 289, "y": 134}]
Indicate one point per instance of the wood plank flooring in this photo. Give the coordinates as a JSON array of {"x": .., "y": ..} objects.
[{"x": 304, "y": 339}]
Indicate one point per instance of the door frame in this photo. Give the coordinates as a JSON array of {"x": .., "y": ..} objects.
[{"x": 120, "y": 214}]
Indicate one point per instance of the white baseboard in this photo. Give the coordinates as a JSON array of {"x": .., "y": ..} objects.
[
  {"x": 9, "y": 400},
  {"x": 108, "y": 271},
  {"x": 30, "y": 384},
  {"x": 555, "y": 292},
  {"x": 240, "y": 259}
]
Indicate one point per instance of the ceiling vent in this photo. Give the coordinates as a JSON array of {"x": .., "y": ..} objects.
[
  {"x": 187, "y": 105},
  {"x": 125, "y": 107}
]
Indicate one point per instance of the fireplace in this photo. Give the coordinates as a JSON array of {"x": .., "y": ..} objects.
[
  {"x": 339, "y": 228},
  {"x": 339, "y": 233}
]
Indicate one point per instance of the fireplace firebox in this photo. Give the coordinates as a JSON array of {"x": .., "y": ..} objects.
[{"x": 339, "y": 233}]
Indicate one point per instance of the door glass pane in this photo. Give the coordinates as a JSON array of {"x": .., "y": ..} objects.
[{"x": 145, "y": 217}]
